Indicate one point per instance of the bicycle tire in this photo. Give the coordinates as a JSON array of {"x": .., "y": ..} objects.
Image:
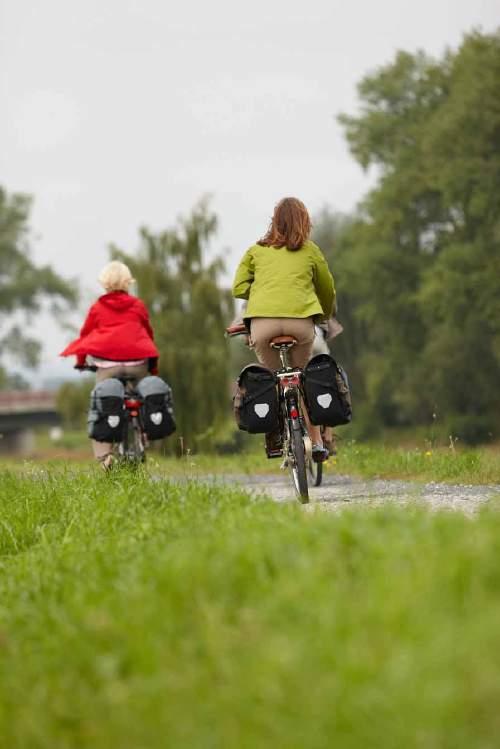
[
  {"x": 315, "y": 471},
  {"x": 131, "y": 449},
  {"x": 298, "y": 466},
  {"x": 137, "y": 453}
]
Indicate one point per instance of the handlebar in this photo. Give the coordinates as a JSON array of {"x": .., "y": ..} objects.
[
  {"x": 234, "y": 330},
  {"x": 85, "y": 368}
]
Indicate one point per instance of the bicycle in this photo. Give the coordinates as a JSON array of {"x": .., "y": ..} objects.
[
  {"x": 131, "y": 449},
  {"x": 292, "y": 421},
  {"x": 294, "y": 438}
]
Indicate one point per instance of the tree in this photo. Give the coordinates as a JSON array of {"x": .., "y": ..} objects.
[
  {"x": 425, "y": 257},
  {"x": 23, "y": 285},
  {"x": 73, "y": 403},
  {"x": 189, "y": 311}
]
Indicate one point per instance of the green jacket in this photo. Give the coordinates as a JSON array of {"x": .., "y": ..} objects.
[{"x": 285, "y": 283}]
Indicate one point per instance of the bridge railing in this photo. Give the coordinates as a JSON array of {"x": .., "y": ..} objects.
[{"x": 27, "y": 401}]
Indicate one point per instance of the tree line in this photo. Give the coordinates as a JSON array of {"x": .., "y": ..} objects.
[{"x": 417, "y": 264}]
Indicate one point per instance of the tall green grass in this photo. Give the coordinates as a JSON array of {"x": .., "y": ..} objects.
[
  {"x": 402, "y": 458},
  {"x": 140, "y": 614},
  {"x": 369, "y": 460},
  {"x": 447, "y": 464}
]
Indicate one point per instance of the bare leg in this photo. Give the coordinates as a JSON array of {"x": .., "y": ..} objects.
[{"x": 314, "y": 432}]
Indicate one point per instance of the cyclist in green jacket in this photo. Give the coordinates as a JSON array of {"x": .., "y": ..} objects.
[{"x": 289, "y": 287}]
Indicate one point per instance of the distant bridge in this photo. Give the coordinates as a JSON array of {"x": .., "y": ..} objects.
[{"x": 20, "y": 411}]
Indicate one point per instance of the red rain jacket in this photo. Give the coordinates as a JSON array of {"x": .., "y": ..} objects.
[{"x": 117, "y": 328}]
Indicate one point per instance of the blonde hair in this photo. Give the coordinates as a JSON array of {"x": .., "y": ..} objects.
[{"x": 115, "y": 276}]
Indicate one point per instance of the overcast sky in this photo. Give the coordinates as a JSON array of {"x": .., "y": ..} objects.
[{"x": 118, "y": 113}]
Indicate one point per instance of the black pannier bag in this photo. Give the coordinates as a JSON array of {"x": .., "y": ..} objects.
[
  {"x": 326, "y": 390},
  {"x": 106, "y": 416},
  {"x": 256, "y": 401},
  {"x": 157, "y": 409}
]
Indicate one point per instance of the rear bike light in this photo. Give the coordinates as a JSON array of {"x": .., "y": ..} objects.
[
  {"x": 294, "y": 414},
  {"x": 292, "y": 380},
  {"x": 134, "y": 404}
]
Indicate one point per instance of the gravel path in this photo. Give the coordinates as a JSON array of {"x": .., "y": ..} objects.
[{"x": 338, "y": 492}]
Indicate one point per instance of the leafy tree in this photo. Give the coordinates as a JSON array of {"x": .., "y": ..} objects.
[
  {"x": 332, "y": 231},
  {"x": 23, "y": 285},
  {"x": 189, "y": 310},
  {"x": 425, "y": 258},
  {"x": 72, "y": 402}
]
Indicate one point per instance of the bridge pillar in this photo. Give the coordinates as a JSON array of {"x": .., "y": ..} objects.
[{"x": 21, "y": 442}]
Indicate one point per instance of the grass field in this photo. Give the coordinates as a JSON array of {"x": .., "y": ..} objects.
[
  {"x": 138, "y": 614},
  {"x": 401, "y": 459}
]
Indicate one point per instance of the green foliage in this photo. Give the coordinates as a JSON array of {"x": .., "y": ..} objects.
[
  {"x": 23, "y": 285},
  {"x": 420, "y": 264},
  {"x": 189, "y": 312},
  {"x": 73, "y": 403},
  {"x": 137, "y": 613}
]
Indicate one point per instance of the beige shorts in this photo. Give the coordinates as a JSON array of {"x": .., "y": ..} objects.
[{"x": 264, "y": 328}]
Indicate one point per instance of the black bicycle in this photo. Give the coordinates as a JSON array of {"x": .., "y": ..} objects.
[{"x": 131, "y": 449}]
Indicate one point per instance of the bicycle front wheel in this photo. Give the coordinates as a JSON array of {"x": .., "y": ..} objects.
[
  {"x": 298, "y": 463},
  {"x": 315, "y": 471}
]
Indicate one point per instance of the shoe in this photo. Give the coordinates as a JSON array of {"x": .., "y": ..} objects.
[
  {"x": 274, "y": 445},
  {"x": 319, "y": 453},
  {"x": 107, "y": 462}
]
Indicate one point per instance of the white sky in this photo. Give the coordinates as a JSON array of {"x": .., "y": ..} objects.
[{"x": 118, "y": 113}]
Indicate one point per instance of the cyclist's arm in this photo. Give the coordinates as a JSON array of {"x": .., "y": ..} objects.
[
  {"x": 145, "y": 319},
  {"x": 324, "y": 285},
  {"x": 244, "y": 277}
]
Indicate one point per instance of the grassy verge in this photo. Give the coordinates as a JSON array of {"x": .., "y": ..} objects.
[
  {"x": 143, "y": 614},
  {"x": 461, "y": 466},
  {"x": 457, "y": 465},
  {"x": 379, "y": 459}
]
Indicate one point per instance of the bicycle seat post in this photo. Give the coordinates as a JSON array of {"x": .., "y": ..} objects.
[
  {"x": 283, "y": 344},
  {"x": 285, "y": 363}
]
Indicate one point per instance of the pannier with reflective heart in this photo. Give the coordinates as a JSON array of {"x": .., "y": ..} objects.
[
  {"x": 157, "y": 410},
  {"x": 106, "y": 416},
  {"x": 326, "y": 389},
  {"x": 256, "y": 400}
]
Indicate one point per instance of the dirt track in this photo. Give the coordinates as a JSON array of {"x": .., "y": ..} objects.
[{"x": 339, "y": 492}]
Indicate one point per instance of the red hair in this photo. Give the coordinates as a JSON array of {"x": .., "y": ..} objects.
[{"x": 290, "y": 225}]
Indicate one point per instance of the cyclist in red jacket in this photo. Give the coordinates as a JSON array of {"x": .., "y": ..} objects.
[{"x": 116, "y": 336}]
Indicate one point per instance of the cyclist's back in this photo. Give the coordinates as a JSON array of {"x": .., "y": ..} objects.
[
  {"x": 116, "y": 338},
  {"x": 289, "y": 287}
]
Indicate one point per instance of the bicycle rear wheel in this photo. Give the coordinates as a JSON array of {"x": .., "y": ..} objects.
[
  {"x": 298, "y": 463},
  {"x": 132, "y": 449}
]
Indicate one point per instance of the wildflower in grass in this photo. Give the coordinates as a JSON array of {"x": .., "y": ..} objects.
[{"x": 428, "y": 454}]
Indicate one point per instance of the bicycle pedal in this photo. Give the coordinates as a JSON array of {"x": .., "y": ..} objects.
[{"x": 274, "y": 453}]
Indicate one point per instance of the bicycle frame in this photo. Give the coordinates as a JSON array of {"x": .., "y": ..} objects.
[
  {"x": 292, "y": 421},
  {"x": 289, "y": 393},
  {"x": 132, "y": 448}
]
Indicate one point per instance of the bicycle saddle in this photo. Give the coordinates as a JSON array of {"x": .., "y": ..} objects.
[{"x": 282, "y": 340}]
